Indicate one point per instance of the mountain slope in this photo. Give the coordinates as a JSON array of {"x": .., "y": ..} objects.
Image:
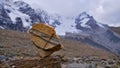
[
  {"x": 116, "y": 29},
  {"x": 14, "y": 43},
  {"x": 96, "y": 34}
]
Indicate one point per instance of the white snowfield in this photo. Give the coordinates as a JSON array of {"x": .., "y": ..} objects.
[{"x": 14, "y": 13}]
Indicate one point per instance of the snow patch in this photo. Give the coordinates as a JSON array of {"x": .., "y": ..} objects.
[
  {"x": 2, "y": 27},
  {"x": 83, "y": 15},
  {"x": 51, "y": 21},
  {"x": 67, "y": 25},
  {"x": 84, "y": 21},
  {"x": 14, "y": 13},
  {"x": 101, "y": 25}
]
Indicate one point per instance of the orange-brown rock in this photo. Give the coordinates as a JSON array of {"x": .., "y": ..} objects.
[{"x": 45, "y": 39}]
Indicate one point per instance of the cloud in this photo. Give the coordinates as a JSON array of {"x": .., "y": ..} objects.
[
  {"x": 107, "y": 12},
  {"x": 65, "y": 7},
  {"x": 104, "y": 11}
]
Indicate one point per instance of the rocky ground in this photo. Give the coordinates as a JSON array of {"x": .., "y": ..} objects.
[
  {"x": 31, "y": 62},
  {"x": 17, "y": 51}
]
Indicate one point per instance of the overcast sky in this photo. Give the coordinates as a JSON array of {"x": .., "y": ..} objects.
[{"x": 104, "y": 11}]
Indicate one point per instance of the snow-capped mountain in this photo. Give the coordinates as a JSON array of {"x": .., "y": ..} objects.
[
  {"x": 18, "y": 15},
  {"x": 94, "y": 33}
]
